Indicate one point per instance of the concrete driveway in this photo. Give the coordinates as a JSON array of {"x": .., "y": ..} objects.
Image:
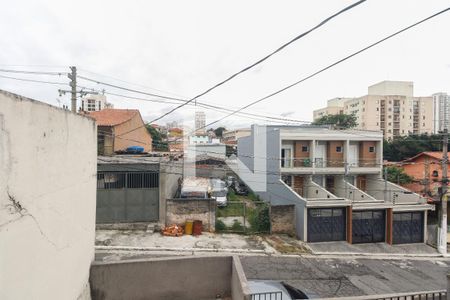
[{"x": 373, "y": 248}]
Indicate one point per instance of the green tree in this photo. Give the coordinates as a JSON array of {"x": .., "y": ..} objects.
[
  {"x": 341, "y": 121},
  {"x": 398, "y": 175},
  {"x": 219, "y": 131},
  {"x": 158, "y": 141},
  {"x": 403, "y": 147}
]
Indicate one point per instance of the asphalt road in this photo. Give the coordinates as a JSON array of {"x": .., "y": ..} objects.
[{"x": 341, "y": 277}]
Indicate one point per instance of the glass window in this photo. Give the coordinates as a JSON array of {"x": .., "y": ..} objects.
[
  {"x": 304, "y": 148},
  {"x": 371, "y": 149},
  {"x": 338, "y": 149}
]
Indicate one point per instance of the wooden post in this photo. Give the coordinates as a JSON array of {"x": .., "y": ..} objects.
[
  {"x": 389, "y": 225},
  {"x": 349, "y": 225}
]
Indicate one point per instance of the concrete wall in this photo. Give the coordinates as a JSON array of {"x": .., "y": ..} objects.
[
  {"x": 170, "y": 173},
  {"x": 184, "y": 278},
  {"x": 282, "y": 219},
  {"x": 180, "y": 210},
  {"x": 239, "y": 286},
  {"x": 48, "y": 165}
]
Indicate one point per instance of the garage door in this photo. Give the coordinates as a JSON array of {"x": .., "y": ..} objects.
[
  {"x": 368, "y": 226},
  {"x": 326, "y": 224},
  {"x": 408, "y": 227},
  {"x": 127, "y": 197}
]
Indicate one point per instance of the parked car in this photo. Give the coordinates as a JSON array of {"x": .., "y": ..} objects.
[
  {"x": 219, "y": 191},
  {"x": 240, "y": 188},
  {"x": 277, "y": 290}
]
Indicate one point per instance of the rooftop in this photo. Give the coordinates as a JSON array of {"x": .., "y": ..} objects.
[{"x": 113, "y": 117}]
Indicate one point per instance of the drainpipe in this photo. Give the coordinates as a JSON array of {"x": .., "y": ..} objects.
[{"x": 385, "y": 184}]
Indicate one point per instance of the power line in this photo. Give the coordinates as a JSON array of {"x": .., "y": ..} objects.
[
  {"x": 33, "y": 72},
  {"x": 185, "y": 101},
  {"x": 263, "y": 59},
  {"x": 32, "y": 80},
  {"x": 315, "y": 73},
  {"x": 329, "y": 66}
]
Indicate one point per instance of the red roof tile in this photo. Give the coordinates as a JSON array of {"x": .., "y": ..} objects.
[{"x": 112, "y": 117}]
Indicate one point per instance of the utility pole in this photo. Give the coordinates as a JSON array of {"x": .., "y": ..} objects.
[
  {"x": 73, "y": 84},
  {"x": 442, "y": 239}
]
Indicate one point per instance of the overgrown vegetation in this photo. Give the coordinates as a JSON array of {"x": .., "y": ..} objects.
[
  {"x": 158, "y": 140},
  {"x": 259, "y": 219},
  {"x": 340, "y": 121},
  {"x": 220, "y": 226},
  {"x": 398, "y": 175},
  {"x": 403, "y": 147}
]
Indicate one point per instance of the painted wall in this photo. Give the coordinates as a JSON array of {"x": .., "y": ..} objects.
[
  {"x": 48, "y": 166},
  {"x": 132, "y": 133}
]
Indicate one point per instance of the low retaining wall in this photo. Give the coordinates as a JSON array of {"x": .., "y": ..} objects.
[
  {"x": 206, "y": 277},
  {"x": 282, "y": 219},
  {"x": 178, "y": 211}
]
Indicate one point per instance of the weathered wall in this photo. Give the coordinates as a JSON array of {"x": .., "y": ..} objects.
[
  {"x": 180, "y": 210},
  {"x": 184, "y": 278},
  {"x": 47, "y": 200},
  {"x": 282, "y": 219},
  {"x": 171, "y": 173}
]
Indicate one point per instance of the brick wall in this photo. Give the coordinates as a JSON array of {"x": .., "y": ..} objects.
[
  {"x": 178, "y": 211},
  {"x": 282, "y": 219}
]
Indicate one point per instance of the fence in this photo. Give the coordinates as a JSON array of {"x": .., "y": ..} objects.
[{"x": 250, "y": 216}]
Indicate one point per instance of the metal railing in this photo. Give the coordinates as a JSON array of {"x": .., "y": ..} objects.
[
  {"x": 430, "y": 295},
  {"x": 267, "y": 296}
]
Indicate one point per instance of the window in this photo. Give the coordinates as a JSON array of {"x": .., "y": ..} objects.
[
  {"x": 435, "y": 173},
  {"x": 131, "y": 180},
  {"x": 338, "y": 149},
  {"x": 371, "y": 149},
  {"x": 304, "y": 148}
]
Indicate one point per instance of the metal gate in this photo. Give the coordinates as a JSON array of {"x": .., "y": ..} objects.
[
  {"x": 408, "y": 227},
  {"x": 326, "y": 224},
  {"x": 368, "y": 226},
  {"x": 127, "y": 197}
]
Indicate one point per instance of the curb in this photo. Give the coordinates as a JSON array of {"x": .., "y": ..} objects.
[
  {"x": 153, "y": 249},
  {"x": 363, "y": 254}
]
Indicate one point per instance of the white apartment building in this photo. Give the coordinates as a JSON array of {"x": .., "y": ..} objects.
[
  {"x": 94, "y": 102},
  {"x": 441, "y": 111},
  {"x": 334, "y": 106},
  {"x": 200, "y": 122},
  {"x": 389, "y": 107}
]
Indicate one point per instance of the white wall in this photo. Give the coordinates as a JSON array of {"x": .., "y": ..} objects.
[{"x": 47, "y": 200}]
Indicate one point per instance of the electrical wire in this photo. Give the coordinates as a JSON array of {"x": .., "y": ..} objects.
[
  {"x": 33, "y": 72},
  {"x": 311, "y": 75},
  {"x": 331, "y": 65},
  {"x": 262, "y": 59},
  {"x": 33, "y": 80}
]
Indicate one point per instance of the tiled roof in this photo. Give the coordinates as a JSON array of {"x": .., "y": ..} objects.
[
  {"x": 112, "y": 117},
  {"x": 434, "y": 154}
]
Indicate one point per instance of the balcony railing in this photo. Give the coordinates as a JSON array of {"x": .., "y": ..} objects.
[{"x": 326, "y": 163}]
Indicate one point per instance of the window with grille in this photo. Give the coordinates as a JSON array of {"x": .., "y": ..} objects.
[{"x": 130, "y": 180}]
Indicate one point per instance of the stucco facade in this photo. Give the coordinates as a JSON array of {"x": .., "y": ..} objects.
[{"x": 47, "y": 200}]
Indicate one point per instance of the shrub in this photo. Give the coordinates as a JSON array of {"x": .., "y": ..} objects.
[
  {"x": 220, "y": 225},
  {"x": 259, "y": 219},
  {"x": 237, "y": 226}
]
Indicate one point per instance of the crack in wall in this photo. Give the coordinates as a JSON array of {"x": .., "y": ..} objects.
[{"x": 15, "y": 207}]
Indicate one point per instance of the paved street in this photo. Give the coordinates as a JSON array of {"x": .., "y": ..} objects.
[{"x": 328, "y": 277}]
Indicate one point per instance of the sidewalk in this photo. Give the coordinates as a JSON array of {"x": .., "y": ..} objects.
[{"x": 141, "y": 241}]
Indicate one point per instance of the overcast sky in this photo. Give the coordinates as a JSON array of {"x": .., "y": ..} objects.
[{"x": 183, "y": 47}]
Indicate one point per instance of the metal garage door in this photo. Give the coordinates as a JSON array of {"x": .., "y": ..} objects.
[
  {"x": 326, "y": 224},
  {"x": 127, "y": 197},
  {"x": 368, "y": 226},
  {"x": 408, "y": 227}
]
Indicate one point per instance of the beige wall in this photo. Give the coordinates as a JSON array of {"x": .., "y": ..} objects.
[
  {"x": 332, "y": 110},
  {"x": 139, "y": 137},
  {"x": 48, "y": 166}
]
